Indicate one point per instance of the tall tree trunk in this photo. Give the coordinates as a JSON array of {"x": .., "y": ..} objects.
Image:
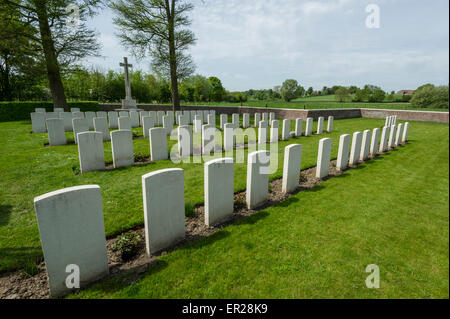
[
  {"x": 172, "y": 56},
  {"x": 53, "y": 73},
  {"x": 6, "y": 93}
]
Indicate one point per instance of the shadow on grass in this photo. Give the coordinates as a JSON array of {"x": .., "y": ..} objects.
[
  {"x": 251, "y": 220},
  {"x": 29, "y": 257},
  {"x": 287, "y": 202},
  {"x": 5, "y": 214}
]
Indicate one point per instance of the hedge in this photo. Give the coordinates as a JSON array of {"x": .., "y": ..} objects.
[{"x": 17, "y": 111}]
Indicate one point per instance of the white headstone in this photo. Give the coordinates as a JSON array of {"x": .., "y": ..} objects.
[
  {"x": 356, "y": 148},
  {"x": 79, "y": 126},
  {"x": 398, "y": 136},
  {"x": 56, "y": 133},
  {"x": 159, "y": 116},
  {"x": 285, "y": 130},
  {"x": 330, "y": 124},
  {"x": 122, "y": 148},
  {"x": 74, "y": 109},
  {"x": 309, "y": 126},
  {"x": 271, "y": 116},
  {"x": 102, "y": 114},
  {"x": 197, "y": 124},
  {"x": 158, "y": 144},
  {"x": 258, "y": 168},
  {"x": 365, "y": 145},
  {"x": 223, "y": 121},
  {"x": 147, "y": 123},
  {"x": 211, "y": 120},
  {"x": 142, "y": 114},
  {"x": 392, "y": 137},
  {"x": 113, "y": 120},
  {"x": 257, "y": 119},
  {"x": 298, "y": 127},
  {"x": 208, "y": 139},
  {"x": 229, "y": 139},
  {"x": 101, "y": 125},
  {"x": 90, "y": 151},
  {"x": 134, "y": 118},
  {"x": 320, "y": 125},
  {"x": 124, "y": 114},
  {"x": 38, "y": 122},
  {"x": 90, "y": 117},
  {"x": 168, "y": 124},
  {"x": 374, "y": 142},
  {"x": 274, "y": 131},
  {"x": 164, "y": 217},
  {"x": 235, "y": 120},
  {"x": 72, "y": 232},
  {"x": 219, "y": 190},
  {"x": 246, "y": 120},
  {"x": 384, "y": 139},
  {"x": 67, "y": 118},
  {"x": 77, "y": 115},
  {"x": 343, "y": 151},
  {"x": 185, "y": 141},
  {"x": 405, "y": 133},
  {"x": 265, "y": 117},
  {"x": 323, "y": 158},
  {"x": 124, "y": 123},
  {"x": 291, "y": 167},
  {"x": 262, "y": 132},
  {"x": 58, "y": 109}
]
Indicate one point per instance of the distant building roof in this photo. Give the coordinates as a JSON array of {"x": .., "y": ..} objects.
[{"x": 405, "y": 92}]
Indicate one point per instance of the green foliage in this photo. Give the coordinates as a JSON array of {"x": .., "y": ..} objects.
[
  {"x": 127, "y": 245},
  {"x": 289, "y": 90},
  {"x": 17, "y": 111},
  {"x": 378, "y": 95},
  {"x": 429, "y": 95},
  {"x": 217, "y": 90},
  {"x": 342, "y": 94}
]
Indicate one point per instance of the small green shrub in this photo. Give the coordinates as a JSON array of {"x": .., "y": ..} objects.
[{"x": 127, "y": 245}]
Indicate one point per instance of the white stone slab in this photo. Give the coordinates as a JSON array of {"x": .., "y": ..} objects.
[
  {"x": 74, "y": 109},
  {"x": 223, "y": 121},
  {"x": 134, "y": 118},
  {"x": 274, "y": 131},
  {"x": 164, "y": 218},
  {"x": 246, "y": 120},
  {"x": 258, "y": 168},
  {"x": 330, "y": 124},
  {"x": 286, "y": 130},
  {"x": 309, "y": 126},
  {"x": 265, "y": 117},
  {"x": 90, "y": 151},
  {"x": 323, "y": 158},
  {"x": 271, "y": 117},
  {"x": 374, "y": 142},
  {"x": 159, "y": 116},
  {"x": 219, "y": 190},
  {"x": 208, "y": 139},
  {"x": 197, "y": 124},
  {"x": 384, "y": 139},
  {"x": 142, "y": 114},
  {"x": 168, "y": 124},
  {"x": 365, "y": 145},
  {"x": 262, "y": 132},
  {"x": 192, "y": 117},
  {"x": 101, "y": 125},
  {"x": 291, "y": 167},
  {"x": 67, "y": 117},
  {"x": 405, "y": 133},
  {"x": 56, "y": 133},
  {"x": 113, "y": 118},
  {"x": 235, "y": 120},
  {"x": 72, "y": 232},
  {"x": 124, "y": 114},
  {"x": 185, "y": 141},
  {"x": 211, "y": 119},
  {"x": 158, "y": 144},
  {"x": 356, "y": 148},
  {"x": 320, "y": 125},
  {"x": 398, "y": 135},
  {"x": 58, "y": 109},
  {"x": 79, "y": 126},
  {"x": 257, "y": 119},
  {"x": 147, "y": 123},
  {"x": 77, "y": 115},
  {"x": 392, "y": 136},
  {"x": 90, "y": 117},
  {"x": 122, "y": 148},
  {"x": 124, "y": 123},
  {"x": 343, "y": 152},
  {"x": 102, "y": 114},
  {"x": 229, "y": 139},
  {"x": 38, "y": 122},
  {"x": 298, "y": 127}
]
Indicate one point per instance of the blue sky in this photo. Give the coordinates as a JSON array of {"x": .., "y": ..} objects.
[{"x": 260, "y": 43}]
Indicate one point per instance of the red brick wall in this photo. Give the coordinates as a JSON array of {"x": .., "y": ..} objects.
[{"x": 423, "y": 116}]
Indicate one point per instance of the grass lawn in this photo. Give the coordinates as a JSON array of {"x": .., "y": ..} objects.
[
  {"x": 321, "y": 102},
  {"x": 392, "y": 211}
]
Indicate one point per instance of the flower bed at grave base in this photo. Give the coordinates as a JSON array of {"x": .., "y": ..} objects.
[{"x": 17, "y": 111}]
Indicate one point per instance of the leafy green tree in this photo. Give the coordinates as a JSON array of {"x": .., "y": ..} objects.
[
  {"x": 158, "y": 27},
  {"x": 289, "y": 90},
  {"x": 217, "y": 90},
  {"x": 342, "y": 94},
  {"x": 378, "y": 95},
  {"x": 310, "y": 91},
  {"x": 429, "y": 95}
]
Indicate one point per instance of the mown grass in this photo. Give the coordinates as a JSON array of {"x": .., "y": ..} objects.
[
  {"x": 29, "y": 169},
  {"x": 322, "y": 103},
  {"x": 391, "y": 211}
]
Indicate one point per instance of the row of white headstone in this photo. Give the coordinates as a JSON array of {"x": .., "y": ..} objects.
[
  {"x": 90, "y": 144},
  {"x": 71, "y": 222}
]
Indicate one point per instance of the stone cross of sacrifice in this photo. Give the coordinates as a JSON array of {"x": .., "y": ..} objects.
[{"x": 125, "y": 65}]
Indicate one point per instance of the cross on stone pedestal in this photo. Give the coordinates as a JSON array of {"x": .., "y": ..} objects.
[{"x": 128, "y": 102}]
